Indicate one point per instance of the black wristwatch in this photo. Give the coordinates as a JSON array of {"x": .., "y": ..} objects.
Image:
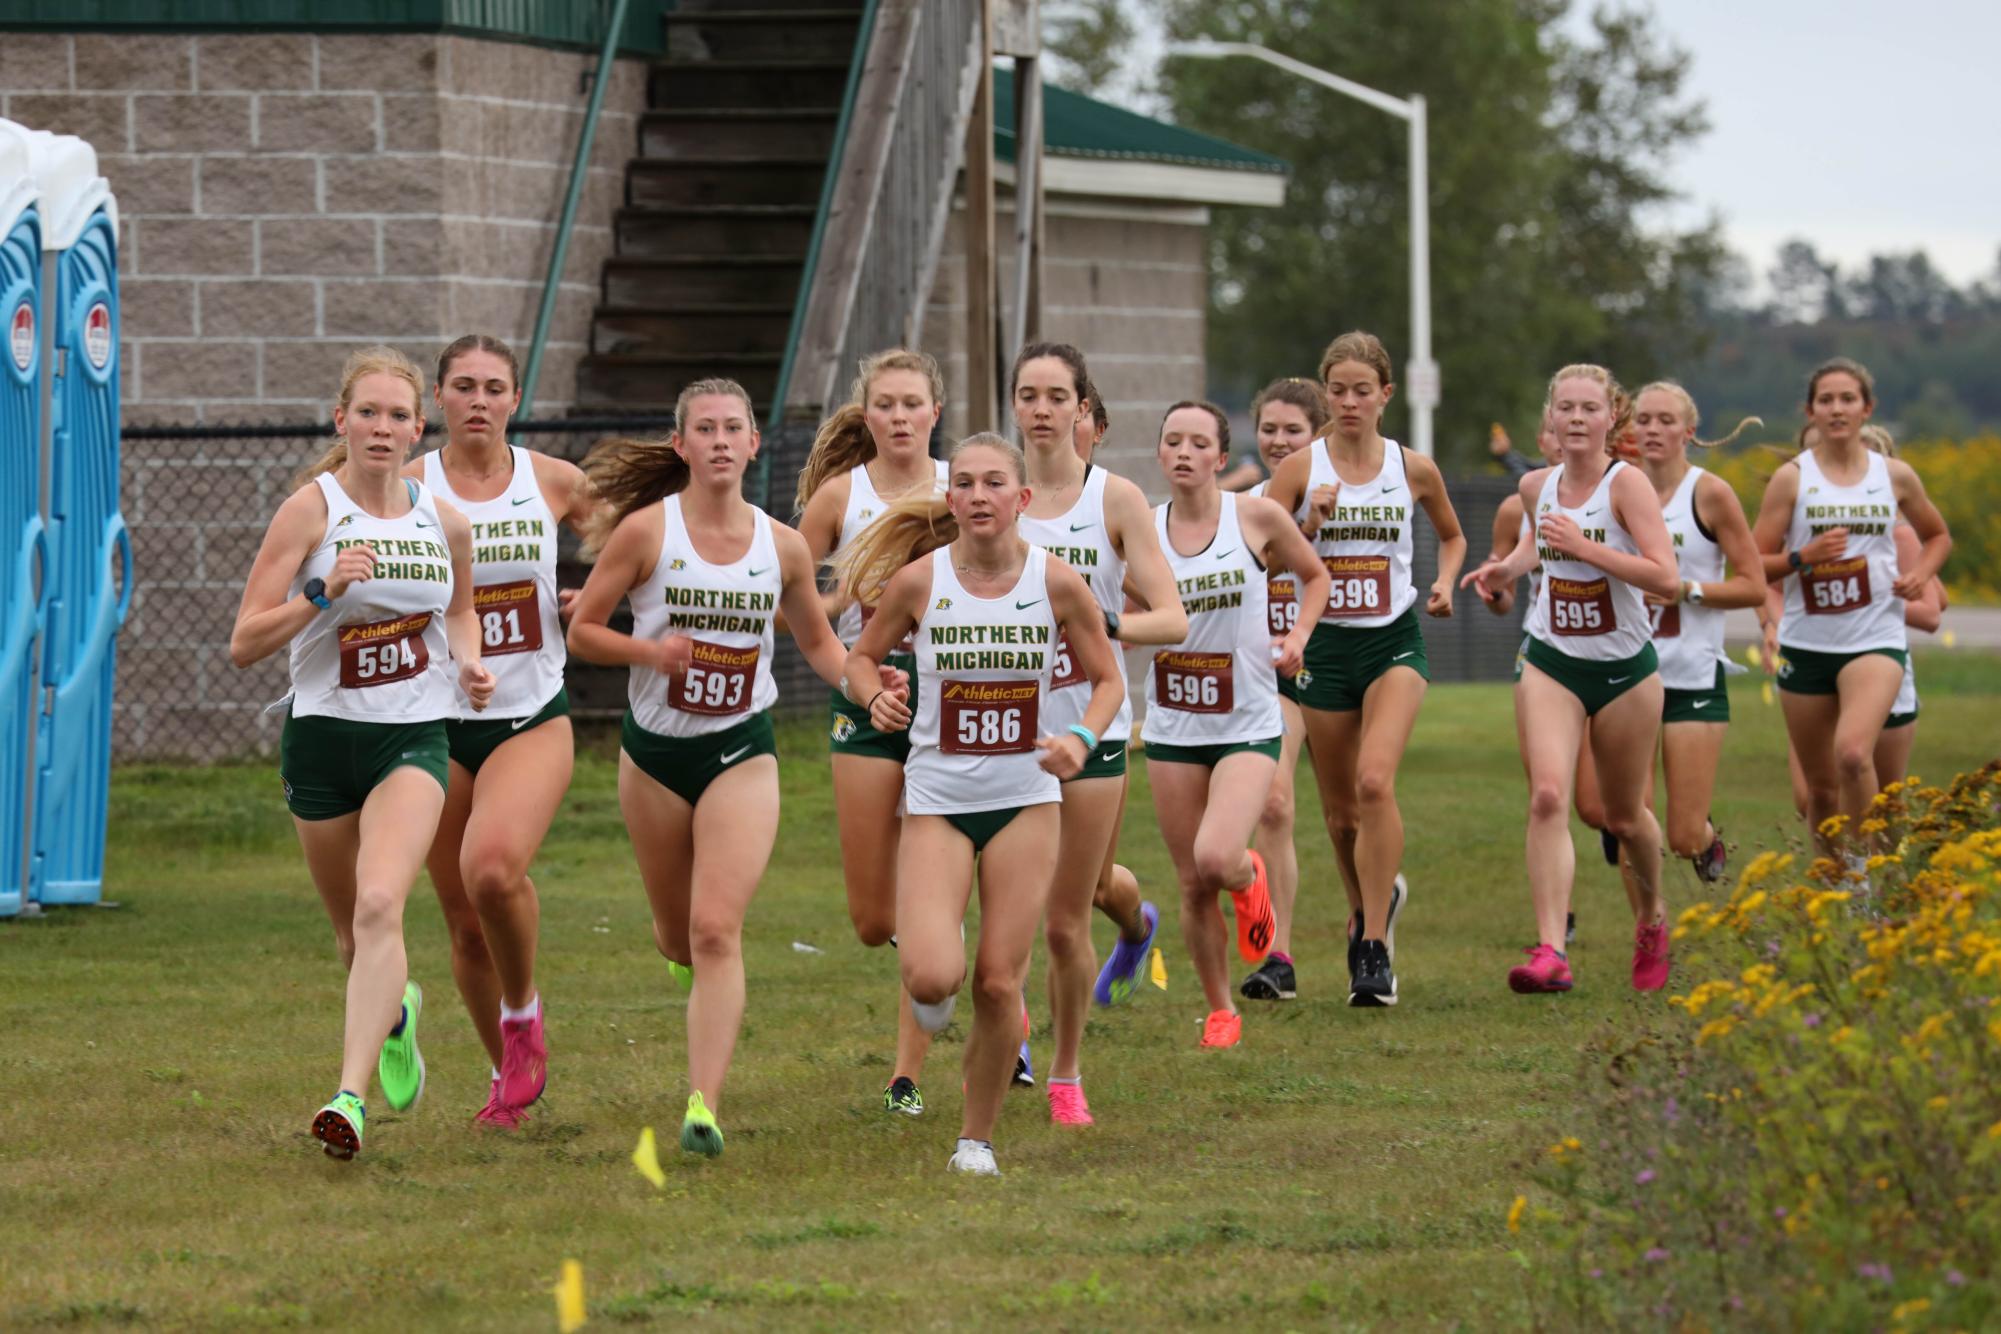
[
  {"x": 1112, "y": 626},
  {"x": 316, "y": 593},
  {"x": 1793, "y": 559}
]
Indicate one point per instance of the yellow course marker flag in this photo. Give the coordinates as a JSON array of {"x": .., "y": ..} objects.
[
  {"x": 1765, "y": 692},
  {"x": 1157, "y": 971},
  {"x": 569, "y": 1292},
  {"x": 647, "y": 1159},
  {"x": 1949, "y": 639},
  {"x": 1753, "y": 656}
]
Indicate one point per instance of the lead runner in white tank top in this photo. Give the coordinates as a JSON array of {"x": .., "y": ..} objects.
[
  {"x": 985, "y": 611},
  {"x": 1102, "y": 526}
]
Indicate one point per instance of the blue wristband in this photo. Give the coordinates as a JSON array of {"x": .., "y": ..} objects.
[{"x": 1086, "y": 735}]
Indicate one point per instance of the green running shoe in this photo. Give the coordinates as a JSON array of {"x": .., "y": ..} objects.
[
  {"x": 684, "y": 976},
  {"x": 699, "y": 1133},
  {"x": 400, "y": 1067},
  {"x": 902, "y": 1096},
  {"x": 340, "y": 1125}
]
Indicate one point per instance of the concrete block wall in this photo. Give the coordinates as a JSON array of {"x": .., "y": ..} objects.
[
  {"x": 1128, "y": 286},
  {"x": 286, "y": 197}
]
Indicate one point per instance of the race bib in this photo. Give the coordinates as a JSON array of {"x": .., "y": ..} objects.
[
  {"x": 1067, "y": 670},
  {"x": 383, "y": 651},
  {"x": 1581, "y": 607},
  {"x": 1360, "y": 586},
  {"x": 988, "y": 717},
  {"x": 1192, "y": 682},
  {"x": 1282, "y": 605},
  {"x": 717, "y": 681},
  {"x": 1667, "y": 621},
  {"x": 1837, "y": 587},
  {"x": 510, "y": 617}
]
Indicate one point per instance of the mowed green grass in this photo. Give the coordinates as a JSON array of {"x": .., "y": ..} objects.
[{"x": 1342, "y": 1167}]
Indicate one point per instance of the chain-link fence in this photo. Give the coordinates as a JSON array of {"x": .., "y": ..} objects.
[{"x": 199, "y": 498}]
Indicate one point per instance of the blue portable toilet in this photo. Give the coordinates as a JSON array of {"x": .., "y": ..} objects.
[
  {"x": 20, "y": 500},
  {"x": 90, "y": 555}
]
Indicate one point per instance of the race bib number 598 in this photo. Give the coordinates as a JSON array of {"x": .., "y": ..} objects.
[
  {"x": 988, "y": 717},
  {"x": 1359, "y": 587},
  {"x": 379, "y": 652}
]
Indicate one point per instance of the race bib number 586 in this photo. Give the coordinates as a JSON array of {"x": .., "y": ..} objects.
[
  {"x": 379, "y": 652},
  {"x": 988, "y": 717}
]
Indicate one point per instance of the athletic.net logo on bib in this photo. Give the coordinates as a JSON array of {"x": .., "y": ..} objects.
[
  {"x": 510, "y": 617},
  {"x": 378, "y": 652},
  {"x": 1836, "y": 587},
  {"x": 717, "y": 681},
  {"x": 988, "y": 717},
  {"x": 1360, "y": 587},
  {"x": 1581, "y": 606},
  {"x": 1193, "y": 682}
]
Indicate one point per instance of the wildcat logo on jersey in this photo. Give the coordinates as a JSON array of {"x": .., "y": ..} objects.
[
  {"x": 865, "y": 516},
  {"x": 677, "y": 564},
  {"x": 844, "y": 727},
  {"x": 944, "y": 604},
  {"x": 345, "y": 520}
]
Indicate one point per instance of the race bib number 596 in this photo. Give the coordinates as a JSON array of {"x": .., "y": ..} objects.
[
  {"x": 379, "y": 652},
  {"x": 988, "y": 717},
  {"x": 1192, "y": 682}
]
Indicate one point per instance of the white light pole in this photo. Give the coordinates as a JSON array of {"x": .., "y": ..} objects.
[{"x": 1421, "y": 372}]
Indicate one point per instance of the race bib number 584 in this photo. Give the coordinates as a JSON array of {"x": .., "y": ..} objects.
[
  {"x": 378, "y": 652},
  {"x": 988, "y": 717},
  {"x": 1836, "y": 587}
]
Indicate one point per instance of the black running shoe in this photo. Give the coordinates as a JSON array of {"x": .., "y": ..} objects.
[
  {"x": 1569, "y": 927},
  {"x": 902, "y": 1096},
  {"x": 1024, "y": 1073},
  {"x": 1354, "y": 944},
  {"x": 1608, "y": 842},
  {"x": 1272, "y": 980},
  {"x": 1710, "y": 863},
  {"x": 1375, "y": 985}
]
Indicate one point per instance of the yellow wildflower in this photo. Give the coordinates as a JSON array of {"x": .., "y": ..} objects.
[{"x": 1515, "y": 1212}]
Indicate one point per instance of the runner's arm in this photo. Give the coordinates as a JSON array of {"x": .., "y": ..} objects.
[
  {"x": 1429, "y": 492},
  {"x": 1717, "y": 505},
  {"x": 1129, "y": 521},
  {"x": 1775, "y": 515},
  {"x": 462, "y": 632},
  {"x": 1924, "y": 611},
  {"x": 1082, "y": 623},
  {"x": 1927, "y": 523},
  {"x": 625, "y": 563},
  {"x": 1638, "y": 508},
  {"x": 267, "y": 619},
  {"x": 1507, "y": 532},
  {"x": 805, "y": 616},
  {"x": 896, "y": 611}
]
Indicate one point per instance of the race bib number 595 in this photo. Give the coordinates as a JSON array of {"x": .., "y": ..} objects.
[
  {"x": 1581, "y": 607},
  {"x": 376, "y": 653},
  {"x": 988, "y": 717}
]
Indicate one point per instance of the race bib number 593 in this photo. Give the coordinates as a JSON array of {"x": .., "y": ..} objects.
[
  {"x": 717, "y": 681},
  {"x": 378, "y": 652},
  {"x": 988, "y": 717}
]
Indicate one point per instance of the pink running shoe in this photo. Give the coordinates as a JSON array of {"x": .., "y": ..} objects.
[
  {"x": 1546, "y": 970},
  {"x": 1067, "y": 1106},
  {"x": 1650, "y": 957},
  {"x": 524, "y": 1061},
  {"x": 496, "y": 1114}
]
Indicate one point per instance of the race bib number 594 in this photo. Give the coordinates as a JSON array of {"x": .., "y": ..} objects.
[
  {"x": 378, "y": 652},
  {"x": 988, "y": 717}
]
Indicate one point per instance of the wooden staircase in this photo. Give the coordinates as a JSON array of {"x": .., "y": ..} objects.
[{"x": 712, "y": 240}]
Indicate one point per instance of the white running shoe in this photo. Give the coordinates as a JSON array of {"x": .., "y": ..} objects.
[
  {"x": 975, "y": 1157},
  {"x": 1399, "y": 895},
  {"x": 933, "y": 1018}
]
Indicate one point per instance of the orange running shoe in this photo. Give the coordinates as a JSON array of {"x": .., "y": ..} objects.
[
  {"x": 1222, "y": 1029},
  {"x": 1255, "y": 923}
]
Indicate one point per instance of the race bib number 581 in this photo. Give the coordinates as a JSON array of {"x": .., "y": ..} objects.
[
  {"x": 988, "y": 717},
  {"x": 379, "y": 652},
  {"x": 510, "y": 617}
]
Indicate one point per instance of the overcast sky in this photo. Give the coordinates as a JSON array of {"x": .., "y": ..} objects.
[{"x": 1865, "y": 126}]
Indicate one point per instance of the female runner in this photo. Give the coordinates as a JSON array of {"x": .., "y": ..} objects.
[
  {"x": 872, "y": 451},
  {"x": 1356, "y": 496},
  {"x": 1213, "y": 728},
  {"x": 1706, "y": 524},
  {"x": 510, "y": 764},
  {"x": 1288, "y": 415},
  {"x": 986, "y": 610},
  {"x": 1118, "y": 896},
  {"x": 1101, "y": 526},
  {"x": 367, "y": 579},
  {"x": 1827, "y": 528},
  {"x": 1603, "y": 545},
  {"x": 697, "y": 770}
]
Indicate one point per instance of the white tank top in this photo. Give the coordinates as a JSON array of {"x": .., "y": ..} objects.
[
  {"x": 1081, "y": 540},
  {"x": 1281, "y": 589},
  {"x": 1584, "y": 612},
  {"x": 378, "y": 655},
  {"x": 983, "y": 668},
  {"x": 1531, "y": 626},
  {"x": 1688, "y": 638},
  {"x": 1845, "y": 605},
  {"x": 1907, "y": 692},
  {"x": 1217, "y": 685},
  {"x": 864, "y": 504},
  {"x": 727, "y": 611},
  {"x": 513, "y": 589},
  {"x": 1365, "y": 543}
]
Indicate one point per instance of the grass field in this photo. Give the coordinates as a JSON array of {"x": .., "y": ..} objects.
[{"x": 1341, "y": 1168}]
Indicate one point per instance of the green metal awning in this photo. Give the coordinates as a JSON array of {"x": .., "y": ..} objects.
[{"x": 1083, "y": 127}]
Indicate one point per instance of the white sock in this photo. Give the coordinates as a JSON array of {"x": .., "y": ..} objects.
[
  {"x": 532, "y": 1010},
  {"x": 933, "y": 1018},
  {"x": 496, "y": 1074},
  {"x": 1073, "y": 1079}
]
